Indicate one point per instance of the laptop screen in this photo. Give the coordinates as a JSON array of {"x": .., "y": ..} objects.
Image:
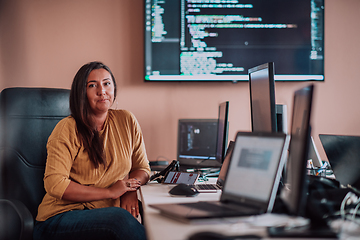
[
  {"x": 255, "y": 164},
  {"x": 343, "y": 153}
]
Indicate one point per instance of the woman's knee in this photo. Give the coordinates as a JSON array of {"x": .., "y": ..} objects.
[{"x": 122, "y": 223}]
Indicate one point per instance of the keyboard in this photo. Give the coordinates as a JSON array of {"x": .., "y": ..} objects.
[{"x": 205, "y": 186}]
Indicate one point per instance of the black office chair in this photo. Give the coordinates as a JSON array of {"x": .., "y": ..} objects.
[{"x": 27, "y": 118}]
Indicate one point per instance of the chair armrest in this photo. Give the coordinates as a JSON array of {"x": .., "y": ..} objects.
[{"x": 16, "y": 221}]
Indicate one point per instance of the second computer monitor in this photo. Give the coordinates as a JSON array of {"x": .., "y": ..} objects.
[
  {"x": 262, "y": 98},
  {"x": 295, "y": 195},
  {"x": 202, "y": 142},
  {"x": 222, "y": 133},
  {"x": 197, "y": 142}
]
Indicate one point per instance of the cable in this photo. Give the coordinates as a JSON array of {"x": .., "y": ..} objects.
[
  {"x": 342, "y": 206},
  {"x": 355, "y": 211},
  {"x": 349, "y": 199},
  {"x": 342, "y": 211}
]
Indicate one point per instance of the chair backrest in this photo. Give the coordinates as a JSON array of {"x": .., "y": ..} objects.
[{"x": 27, "y": 118}]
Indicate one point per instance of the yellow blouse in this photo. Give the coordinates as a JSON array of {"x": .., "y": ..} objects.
[{"x": 68, "y": 161}]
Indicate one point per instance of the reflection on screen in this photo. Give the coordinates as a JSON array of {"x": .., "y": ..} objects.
[{"x": 255, "y": 159}]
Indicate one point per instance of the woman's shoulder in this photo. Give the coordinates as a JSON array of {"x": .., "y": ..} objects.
[
  {"x": 121, "y": 113},
  {"x": 123, "y": 118},
  {"x": 66, "y": 122},
  {"x": 66, "y": 126}
]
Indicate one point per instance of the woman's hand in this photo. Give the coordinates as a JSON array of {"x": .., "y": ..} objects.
[
  {"x": 122, "y": 186},
  {"x": 129, "y": 201}
]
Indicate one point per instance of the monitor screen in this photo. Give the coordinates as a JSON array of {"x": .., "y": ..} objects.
[
  {"x": 197, "y": 142},
  {"x": 219, "y": 40},
  {"x": 295, "y": 196},
  {"x": 222, "y": 133},
  {"x": 262, "y": 98}
]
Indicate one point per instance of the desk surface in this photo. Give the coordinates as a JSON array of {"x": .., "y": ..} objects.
[{"x": 159, "y": 227}]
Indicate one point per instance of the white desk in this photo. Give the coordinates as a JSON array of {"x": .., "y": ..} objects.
[{"x": 159, "y": 227}]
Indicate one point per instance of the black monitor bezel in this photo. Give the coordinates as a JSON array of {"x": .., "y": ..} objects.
[
  {"x": 296, "y": 174},
  {"x": 270, "y": 67},
  {"x": 221, "y": 142}
]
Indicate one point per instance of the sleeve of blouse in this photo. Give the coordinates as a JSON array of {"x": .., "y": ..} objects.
[
  {"x": 61, "y": 151},
  {"x": 139, "y": 157}
]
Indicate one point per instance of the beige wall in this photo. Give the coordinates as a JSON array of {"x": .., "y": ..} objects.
[{"x": 43, "y": 43}]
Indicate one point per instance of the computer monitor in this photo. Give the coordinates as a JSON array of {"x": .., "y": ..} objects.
[
  {"x": 219, "y": 40},
  {"x": 197, "y": 142},
  {"x": 222, "y": 133},
  {"x": 262, "y": 98},
  {"x": 294, "y": 194},
  {"x": 202, "y": 142}
]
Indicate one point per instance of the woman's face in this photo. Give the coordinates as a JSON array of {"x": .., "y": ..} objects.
[{"x": 100, "y": 91}]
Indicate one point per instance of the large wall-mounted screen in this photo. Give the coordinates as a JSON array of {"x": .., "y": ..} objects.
[{"x": 219, "y": 40}]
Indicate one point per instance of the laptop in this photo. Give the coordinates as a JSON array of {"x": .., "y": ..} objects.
[
  {"x": 251, "y": 183},
  {"x": 208, "y": 187},
  {"x": 343, "y": 153}
]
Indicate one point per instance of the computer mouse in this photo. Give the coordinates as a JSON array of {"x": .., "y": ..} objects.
[
  {"x": 218, "y": 236},
  {"x": 183, "y": 190}
]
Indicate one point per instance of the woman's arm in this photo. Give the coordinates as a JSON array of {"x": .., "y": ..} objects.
[
  {"x": 129, "y": 200},
  {"x": 76, "y": 192},
  {"x": 140, "y": 166},
  {"x": 140, "y": 175}
]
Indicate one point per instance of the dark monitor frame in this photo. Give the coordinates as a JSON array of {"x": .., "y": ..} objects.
[
  {"x": 200, "y": 162},
  {"x": 296, "y": 175},
  {"x": 262, "y": 98},
  {"x": 222, "y": 133}
]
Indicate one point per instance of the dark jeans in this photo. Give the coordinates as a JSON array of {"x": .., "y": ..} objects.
[{"x": 103, "y": 223}]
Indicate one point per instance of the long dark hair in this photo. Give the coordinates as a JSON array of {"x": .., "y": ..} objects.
[{"x": 80, "y": 111}]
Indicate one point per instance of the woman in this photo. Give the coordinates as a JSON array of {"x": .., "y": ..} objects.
[{"x": 96, "y": 161}]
